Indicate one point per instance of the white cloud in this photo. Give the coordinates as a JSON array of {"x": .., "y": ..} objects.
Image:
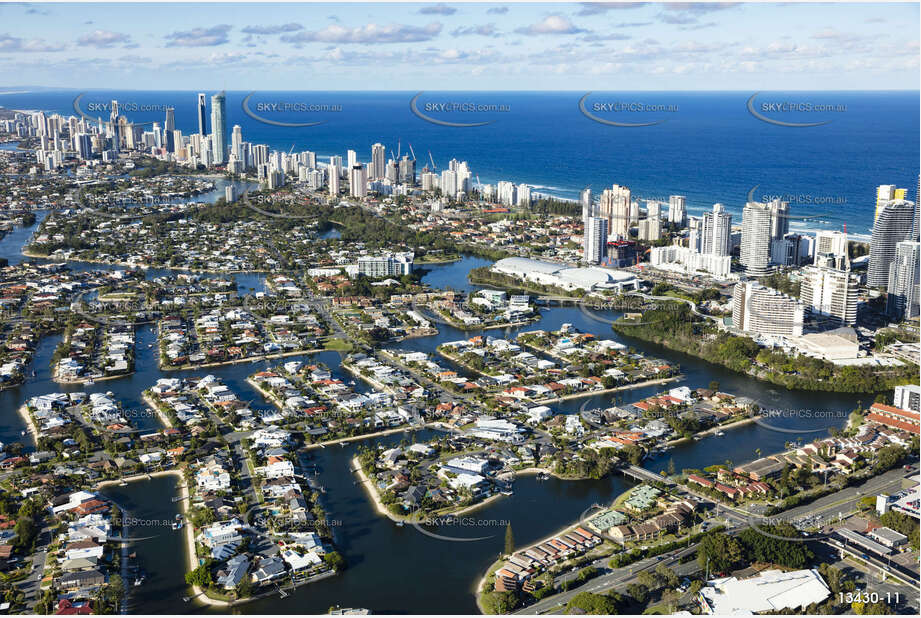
[
  {"x": 552, "y": 24},
  {"x": 369, "y": 33}
]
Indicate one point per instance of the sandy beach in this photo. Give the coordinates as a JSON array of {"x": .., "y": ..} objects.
[
  {"x": 30, "y": 424},
  {"x": 160, "y": 414}
]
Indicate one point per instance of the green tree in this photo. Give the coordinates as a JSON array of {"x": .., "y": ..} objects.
[
  {"x": 200, "y": 576},
  {"x": 637, "y": 591},
  {"x": 499, "y": 602},
  {"x": 596, "y": 604},
  {"x": 115, "y": 591},
  {"x": 334, "y": 560},
  {"x": 245, "y": 588}
]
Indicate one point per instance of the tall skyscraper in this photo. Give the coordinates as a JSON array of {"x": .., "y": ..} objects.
[
  {"x": 715, "y": 231},
  {"x": 677, "y": 210},
  {"x": 780, "y": 218},
  {"x": 830, "y": 244},
  {"x": 378, "y": 161},
  {"x": 893, "y": 225},
  {"x": 83, "y": 145},
  {"x": 449, "y": 184},
  {"x": 236, "y": 142},
  {"x": 352, "y": 158},
  {"x": 219, "y": 127},
  {"x": 169, "y": 125},
  {"x": 407, "y": 170},
  {"x": 595, "y": 240},
  {"x": 755, "y": 251},
  {"x": 506, "y": 191},
  {"x": 828, "y": 291},
  {"x": 392, "y": 171},
  {"x": 585, "y": 198},
  {"x": 113, "y": 127},
  {"x": 884, "y": 195},
  {"x": 616, "y": 206},
  {"x": 202, "y": 115},
  {"x": 358, "y": 180},
  {"x": 794, "y": 250},
  {"x": 333, "y": 180},
  {"x": 764, "y": 311},
  {"x": 524, "y": 195},
  {"x": 902, "y": 301},
  {"x": 649, "y": 229},
  {"x": 695, "y": 231}
]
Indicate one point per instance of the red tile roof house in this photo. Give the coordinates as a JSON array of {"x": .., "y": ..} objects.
[
  {"x": 732, "y": 492},
  {"x": 693, "y": 478},
  {"x": 891, "y": 416}
]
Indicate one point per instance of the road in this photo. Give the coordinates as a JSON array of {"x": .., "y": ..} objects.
[
  {"x": 844, "y": 501},
  {"x": 615, "y": 578},
  {"x": 31, "y": 585},
  {"x": 902, "y": 599}
]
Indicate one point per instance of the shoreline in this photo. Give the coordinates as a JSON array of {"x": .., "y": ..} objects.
[
  {"x": 366, "y": 436},
  {"x": 614, "y": 389},
  {"x": 30, "y": 423},
  {"x": 246, "y": 359},
  {"x": 58, "y": 380},
  {"x": 199, "y": 594},
  {"x": 806, "y": 386},
  {"x": 153, "y": 406},
  {"x": 368, "y": 486},
  {"x": 252, "y": 271}
]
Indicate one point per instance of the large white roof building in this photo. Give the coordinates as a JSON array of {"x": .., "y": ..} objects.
[
  {"x": 771, "y": 591},
  {"x": 566, "y": 277}
]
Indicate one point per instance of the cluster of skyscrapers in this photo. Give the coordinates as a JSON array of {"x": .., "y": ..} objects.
[{"x": 829, "y": 286}]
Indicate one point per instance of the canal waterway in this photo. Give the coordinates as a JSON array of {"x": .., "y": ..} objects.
[{"x": 398, "y": 569}]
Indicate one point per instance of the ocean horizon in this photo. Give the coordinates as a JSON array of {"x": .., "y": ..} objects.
[{"x": 711, "y": 146}]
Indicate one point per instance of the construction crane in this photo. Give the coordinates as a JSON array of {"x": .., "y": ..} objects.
[
  {"x": 412, "y": 152},
  {"x": 432, "y": 161},
  {"x": 398, "y": 149}
]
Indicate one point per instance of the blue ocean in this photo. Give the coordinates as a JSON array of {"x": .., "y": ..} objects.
[{"x": 709, "y": 146}]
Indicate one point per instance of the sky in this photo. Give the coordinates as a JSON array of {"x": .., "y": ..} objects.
[{"x": 461, "y": 46}]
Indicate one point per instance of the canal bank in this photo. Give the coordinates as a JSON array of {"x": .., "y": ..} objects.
[{"x": 383, "y": 559}]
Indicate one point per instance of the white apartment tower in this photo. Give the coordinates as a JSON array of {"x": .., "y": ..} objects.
[
  {"x": 617, "y": 207},
  {"x": 595, "y": 240},
  {"x": 755, "y": 252}
]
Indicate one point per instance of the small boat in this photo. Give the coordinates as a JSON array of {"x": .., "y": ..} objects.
[
  {"x": 22, "y": 433},
  {"x": 123, "y": 483},
  {"x": 720, "y": 433},
  {"x": 697, "y": 437},
  {"x": 400, "y": 523},
  {"x": 90, "y": 382}
]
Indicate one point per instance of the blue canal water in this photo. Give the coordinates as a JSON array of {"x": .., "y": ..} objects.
[{"x": 394, "y": 569}]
